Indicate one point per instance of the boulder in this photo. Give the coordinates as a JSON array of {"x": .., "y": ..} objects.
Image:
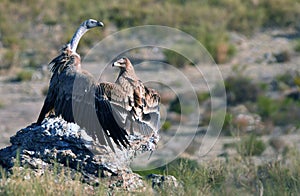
[{"x": 56, "y": 141}]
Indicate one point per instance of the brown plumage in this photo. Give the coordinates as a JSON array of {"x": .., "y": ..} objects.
[
  {"x": 134, "y": 106},
  {"x": 106, "y": 109},
  {"x": 72, "y": 95}
]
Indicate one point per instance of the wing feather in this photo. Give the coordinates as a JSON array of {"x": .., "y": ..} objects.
[
  {"x": 71, "y": 94},
  {"x": 138, "y": 116},
  {"x": 107, "y": 120}
]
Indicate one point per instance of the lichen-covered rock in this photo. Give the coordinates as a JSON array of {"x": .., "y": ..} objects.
[
  {"x": 57, "y": 141},
  {"x": 165, "y": 182}
]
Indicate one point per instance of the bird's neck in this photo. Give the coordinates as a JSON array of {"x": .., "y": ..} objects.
[
  {"x": 76, "y": 37},
  {"x": 127, "y": 75}
]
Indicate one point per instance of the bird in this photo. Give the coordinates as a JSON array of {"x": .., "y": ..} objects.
[
  {"x": 71, "y": 89},
  {"x": 103, "y": 109},
  {"x": 134, "y": 106},
  {"x": 67, "y": 60}
]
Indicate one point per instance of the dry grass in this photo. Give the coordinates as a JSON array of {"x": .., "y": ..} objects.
[{"x": 28, "y": 182}]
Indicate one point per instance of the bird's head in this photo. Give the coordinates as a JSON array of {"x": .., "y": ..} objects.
[
  {"x": 123, "y": 63},
  {"x": 91, "y": 23},
  {"x": 126, "y": 68}
]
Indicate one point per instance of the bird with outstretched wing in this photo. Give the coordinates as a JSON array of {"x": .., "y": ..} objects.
[
  {"x": 105, "y": 110},
  {"x": 134, "y": 106}
]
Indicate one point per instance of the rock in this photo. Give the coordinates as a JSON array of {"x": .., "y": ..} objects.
[
  {"x": 277, "y": 143},
  {"x": 239, "y": 109},
  {"x": 57, "y": 141},
  {"x": 262, "y": 48},
  {"x": 160, "y": 182}
]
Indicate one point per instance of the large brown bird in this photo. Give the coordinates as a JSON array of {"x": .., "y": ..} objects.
[
  {"x": 134, "y": 106},
  {"x": 106, "y": 109}
]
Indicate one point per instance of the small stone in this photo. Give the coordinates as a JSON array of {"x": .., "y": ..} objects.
[{"x": 161, "y": 181}]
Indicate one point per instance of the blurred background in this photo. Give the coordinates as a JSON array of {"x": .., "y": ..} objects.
[
  {"x": 255, "y": 43},
  {"x": 31, "y": 29}
]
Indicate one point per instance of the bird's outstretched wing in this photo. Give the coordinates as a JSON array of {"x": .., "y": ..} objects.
[
  {"x": 71, "y": 95},
  {"x": 109, "y": 123},
  {"x": 137, "y": 111}
]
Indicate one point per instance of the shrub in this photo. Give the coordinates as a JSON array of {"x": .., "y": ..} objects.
[
  {"x": 281, "y": 13},
  {"x": 7, "y": 60},
  {"x": 297, "y": 45},
  {"x": 287, "y": 78},
  {"x": 288, "y": 113},
  {"x": 251, "y": 146},
  {"x": 166, "y": 126},
  {"x": 175, "y": 106},
  {"x": 282, "y": 56},
  {"x": 203, "y": 96},
  {"x": 24, "y": 75},
  {"x": 175, "y": 59},
  {"x": 266, "y": 107},
  {"x": 240, "y": 89},
  {"x": 281, "y": 112}
]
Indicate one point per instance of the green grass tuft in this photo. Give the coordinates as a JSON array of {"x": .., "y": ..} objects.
[
  {"x": 166, "y": 126},
  {"x": 24, "y": 75},
  {"x": 250, "y": 145},
  {"x": 297, "y": 45}
]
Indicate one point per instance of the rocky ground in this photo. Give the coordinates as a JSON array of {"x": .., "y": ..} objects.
[{"x": 257, "y": 57}]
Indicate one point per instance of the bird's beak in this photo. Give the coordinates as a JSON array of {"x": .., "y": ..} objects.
[
  {"x": 119, "y": 63},
  {"x": 100, "y": 24},
  {"x": 116, "y": 64}
]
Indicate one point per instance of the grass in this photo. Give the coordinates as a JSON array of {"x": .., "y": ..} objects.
[
  {"x": 237, "y": 174},
  {"x": 60, "y": 182},
  {"x": 175, "y": 59},
  {"x": 266, "y": 107},
  {"x": 166, "y": 126},
  {"x": 240, "y": 89},
  {"x": 297, "y": 45},
  {"x": 208, "y": 21},
  {"x": 251, "y": 146},
  {"x": 2, "y": 104},
  {"x": 203, "y": 96},
  {"x": 281, "y": 112},
  {"x": 24, "y": 75}
]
